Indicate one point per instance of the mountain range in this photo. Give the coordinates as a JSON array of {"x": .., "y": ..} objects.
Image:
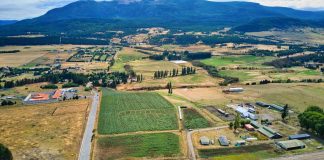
[{"x": 88, "y": 16}]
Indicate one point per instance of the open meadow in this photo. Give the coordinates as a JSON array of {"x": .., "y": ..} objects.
[
  {"x": 44, "y": 131},
  {"x": 135, "y": 111}
]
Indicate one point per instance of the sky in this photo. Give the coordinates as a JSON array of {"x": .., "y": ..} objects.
[{"x": 22, "y": 9}]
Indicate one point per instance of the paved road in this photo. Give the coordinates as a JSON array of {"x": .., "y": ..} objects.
[
  {"x": 85, "y": 150},
  {"x": 307, "y": 156},
  {"x": 192, "y": 154}
]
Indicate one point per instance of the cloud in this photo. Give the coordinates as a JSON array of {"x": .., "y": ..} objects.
[
  {"x": 22, "y": 9},
  {"x": 297, "y": 4}
]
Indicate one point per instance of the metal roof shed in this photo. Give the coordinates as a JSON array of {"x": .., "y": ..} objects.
[
  {"x": 291, "y": 144},
  {"x": 204, "y": 140},
  {"x": 299, "y": 136},
  {"x": 223, "y": 141}
]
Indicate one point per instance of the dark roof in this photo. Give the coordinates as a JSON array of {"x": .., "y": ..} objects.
[{"x": 299, "y": 136}]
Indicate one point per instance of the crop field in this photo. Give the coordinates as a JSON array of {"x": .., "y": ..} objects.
[
  {"x": 46, "y": 131},
  {"x": 223, "y": 61},
  {"x": 123, "y": 112},
  {"x": 147, "y": 145},
  {"x": 193, "y": 120}
]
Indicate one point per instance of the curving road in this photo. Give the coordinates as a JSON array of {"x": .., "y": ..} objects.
[{"x": 85, "y": 149}]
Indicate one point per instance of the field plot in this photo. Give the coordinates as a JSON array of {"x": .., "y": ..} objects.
[
  {"x": 130, "y": 112},
  {"x": 246, "y": 61},
  {"x": 47, "y": 131},
  {"x": 124, "y": 56},
  {"x": 29, "y": 56},
  {"x": 297, "y": 96},
  {"x": 193, "y": 120},
  {"x": 146, "y": 145}
]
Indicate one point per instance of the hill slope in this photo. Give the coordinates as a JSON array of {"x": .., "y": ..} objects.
[{"x": 181, "y": 14}]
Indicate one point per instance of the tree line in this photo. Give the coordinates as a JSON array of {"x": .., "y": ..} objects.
[
  {"x": 312, "y": 119},
  {"x": 174, "y": 73}
]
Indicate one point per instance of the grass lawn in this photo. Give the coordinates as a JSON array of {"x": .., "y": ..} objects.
[
  {"x": 146, "y": 145},
  {"x": 222, "y": 61},
  {"x": 193, "y": 120},
  {"x": 123, "y": 112}
]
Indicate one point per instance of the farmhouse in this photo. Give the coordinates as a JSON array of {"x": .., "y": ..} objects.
[
  {"x": 223, "y": 141},
  {"x": 249, "y": 127},
  {"x": 299, "y": 136},
  {"x": 291, "y": 144},
  {"x": 204, "y": 140}
]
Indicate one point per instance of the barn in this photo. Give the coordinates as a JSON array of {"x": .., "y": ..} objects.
[
  {"x": 223, "y": 141},
  {"x": 204, "y": 140},
  {"x": 291, "y": 144},
  {"x": 299, "y": 136}
]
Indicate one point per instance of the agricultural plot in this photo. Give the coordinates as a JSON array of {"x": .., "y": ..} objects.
[
  {"x": 139, "y": 146},
  {"x": 123, "y": 112},
  {"x": 246, "y": 61},
  {"x": 193, "y": 120},
  {"x": 124, "y": 56}
]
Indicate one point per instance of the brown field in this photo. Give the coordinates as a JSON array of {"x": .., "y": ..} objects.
[
  {"x": 86, "y": 66},
  {"x": 47, "y": 131},
  {"x": 31, "y": 55},
  {"x": 297, "y": 96}
]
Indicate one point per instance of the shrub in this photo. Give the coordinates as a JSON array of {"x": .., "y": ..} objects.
[
  {"x": 49, "y": 86},
  {"x": 5, "y": 153},
  {"x": 68, "y": 85}
]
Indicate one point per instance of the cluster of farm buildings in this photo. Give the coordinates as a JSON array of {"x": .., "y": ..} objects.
[
  {"x": 248, "y": 111},
  {"x": 51, "y": 97}
]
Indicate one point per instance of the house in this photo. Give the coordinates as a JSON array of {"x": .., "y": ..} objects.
[
  {"x": 223, "y": 141},
  {"x": 204, "y": 140},
  {"x": 269, "y": 132},
  {"x": 299, "y": 136},
  {"x": 249, "y": 127},
  {"x": 291, "y": 144}
]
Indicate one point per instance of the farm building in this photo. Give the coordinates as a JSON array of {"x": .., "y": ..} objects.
[
  {"x": 269, "y": 132},
  {"x": 249, "y": 127},
  {"x": 255, "y": 124},
  {"x": 245, "y": 113},
  {"x": 233, "y": 90},
  {"x": 204, "y": 140},
  {"x": 223, "y": 112},
  {"x": 240, "y": 143},
  {"x": 223, "y": 141},
  {"x": 50, "y": 97},
  {"x": 276, "y": 107},
  {"x": 299, "y": 136},
  {"x": 291, "y": 144},
  {"x": 262, "y": 104}
]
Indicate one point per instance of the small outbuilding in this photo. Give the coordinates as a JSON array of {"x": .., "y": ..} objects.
[
  {"x": 249, "y": 127},
  {"x": 223, "y": 141},
  {"x": 291, "y": 144},
  {"x": 299, "y": 136},
  {"x": 204, "y": 140}
]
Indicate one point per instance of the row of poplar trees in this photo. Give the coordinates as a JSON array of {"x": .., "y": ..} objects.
[{"x": 174, "y": 73}]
